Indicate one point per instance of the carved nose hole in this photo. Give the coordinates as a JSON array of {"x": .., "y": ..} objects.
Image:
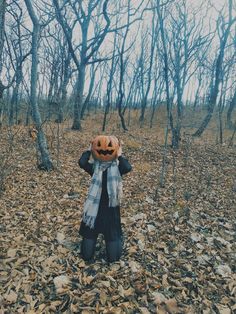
[
  {"x": 110, "y": 144},
  {"x": 99, "y": 143}
]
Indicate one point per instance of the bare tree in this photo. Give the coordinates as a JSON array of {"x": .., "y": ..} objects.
[
  {"x": 46, "y": 163},
  {"x": 53, "y": 68},
  {"x": 86, "y": 49},
  {"x": 199, "y": 79},
  {"x": 170, "y": 121},
  {"x": 185, "y": 40},
  {"x": 66, "y": 75},
  {"x": 146, "y": 82},
  {"x": 2, "y": 27},
  {"x": 124, "y": 47},
  {"x": 109, "y": 83},
  {"x": 15, "y": 58},
  {"x": 93, "y": 70},
  {"x": 157, "y": 90},
  {"x": 18, "y": 50},
  {"x": 57, "y": 69},
  {"x": 122, "y": 70},
  {"x": 2, "y": 23},
  {"x": 223, "y": 32}
]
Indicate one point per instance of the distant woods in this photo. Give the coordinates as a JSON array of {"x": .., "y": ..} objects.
[{"x": 67, "y": 59}]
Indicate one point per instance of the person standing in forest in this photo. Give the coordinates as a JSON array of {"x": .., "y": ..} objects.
[{"x": 101, "y": 212}]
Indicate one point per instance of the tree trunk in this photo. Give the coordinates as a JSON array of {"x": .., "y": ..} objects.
[
  {"x": 2, "y": 88},
  {"x": 28, "y": 114},
  {"x": 153, "y": 106},
  {"x": 63, "y": 89},
  {"x": 46, "y": 163},
  {"x": 15, "y": 96},
  {"x": 196, "y": 100},
  {"x": 79, "y": 99},
  {"x": 149, "y": 75},
  {"x": 231, "y": 141},
  {"x": 232, "y": 105},
  {"x": 107, "y": 107},
  {"x": 156, "y": 95},
  {"x": 121, "y": 95},
  {"x": 2, "y": 23},
  {"x": 90, "y": 91},
  {"x": 143, "y": 109},
  {"x": 109, "y": 85},
  {"x": 221, "y": 127},
  {"x": 61, "y": 105},
  {"x": 50, "y": 96},
  {"x": 13, "y": 103},
  {"x": 166, "y": 78}
]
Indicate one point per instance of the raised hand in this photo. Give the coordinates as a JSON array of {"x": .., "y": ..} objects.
[{"x": 119, "y": 151}]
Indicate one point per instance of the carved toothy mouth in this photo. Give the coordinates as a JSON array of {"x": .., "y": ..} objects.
[{"x": 105, "y": 152}]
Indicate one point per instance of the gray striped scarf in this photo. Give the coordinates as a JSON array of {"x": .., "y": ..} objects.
[{"x": 114, "y": 190}]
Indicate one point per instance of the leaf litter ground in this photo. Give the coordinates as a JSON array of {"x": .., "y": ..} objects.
[{"x": 179, "y": 240}]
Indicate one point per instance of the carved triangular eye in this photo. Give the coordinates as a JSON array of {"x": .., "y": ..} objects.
[
  {"x": 99, "y": 143},
  {"x": 110, "y": 144}
]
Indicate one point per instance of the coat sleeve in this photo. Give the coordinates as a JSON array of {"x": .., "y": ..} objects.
[
  {"x": 84, "y": 162},
  {"x": 124, "y": 165}
]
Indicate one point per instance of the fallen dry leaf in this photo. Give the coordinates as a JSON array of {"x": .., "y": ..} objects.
[
  {"x": 11, "y": 297},
  {"x": 179, "y": 243}
]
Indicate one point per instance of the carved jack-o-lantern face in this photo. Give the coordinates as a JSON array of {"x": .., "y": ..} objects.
[{"x": 105, "y": 148}]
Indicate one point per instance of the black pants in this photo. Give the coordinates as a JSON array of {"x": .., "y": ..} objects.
[{"x": 113, "y": 249}]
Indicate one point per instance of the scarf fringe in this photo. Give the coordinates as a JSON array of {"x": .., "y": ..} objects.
[
  {"x": 113, "y": 201},
  {"x": 89, "y": 221}
]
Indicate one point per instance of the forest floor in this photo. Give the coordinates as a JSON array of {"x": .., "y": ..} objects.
[{"x": 179, "y": 240}]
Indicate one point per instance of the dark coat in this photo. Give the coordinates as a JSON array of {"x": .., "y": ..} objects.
[{"x": 108, "y": 218}]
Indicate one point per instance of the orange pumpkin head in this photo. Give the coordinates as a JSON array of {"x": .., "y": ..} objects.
[{"x": 105, "y": 147}]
